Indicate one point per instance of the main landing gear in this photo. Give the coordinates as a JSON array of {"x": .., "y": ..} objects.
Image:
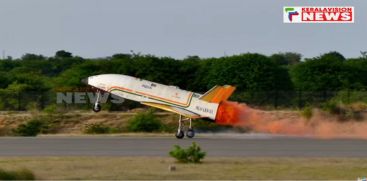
[
  {"x": 190, "y": 133},
  {"x": 97, "y": 106}
]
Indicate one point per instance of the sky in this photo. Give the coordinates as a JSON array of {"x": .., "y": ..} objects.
[{"x": 175, "y": 28}]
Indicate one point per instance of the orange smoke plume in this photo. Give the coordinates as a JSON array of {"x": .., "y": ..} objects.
[
  {"x": 230, "y": 113},
  {"x": 287, "y": 122}
]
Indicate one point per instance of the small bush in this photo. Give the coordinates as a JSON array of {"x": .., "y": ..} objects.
[
  {"x": 22, "y": 174},
  {"x": 97, "y": 128},
  {"x": 307, "y": 112},
  {"x": 349, "y": 113},
  {"x": 144, "y": 122},
  {"x": 348, "y": 97},
  {"x": 192, "y": 154},
  {"x": 331, "y": 107},
  {"x": 31, "y": 128},
  {"x": 345, "y": 112},
  {"x": 51, "y": 109}
]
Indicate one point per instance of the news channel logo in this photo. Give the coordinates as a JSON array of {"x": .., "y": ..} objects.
[{"x": 318, "y": 14}]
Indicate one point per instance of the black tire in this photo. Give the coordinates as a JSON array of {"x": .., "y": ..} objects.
[
  {"x": 190, "y": 133},
  {"x": 97, "y": 108},
  {"x": 180, "y": 134}
]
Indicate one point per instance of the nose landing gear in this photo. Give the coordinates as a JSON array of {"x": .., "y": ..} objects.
[
  {"x": 97, "y": 107},
  {"x": 190, "y": 133}
]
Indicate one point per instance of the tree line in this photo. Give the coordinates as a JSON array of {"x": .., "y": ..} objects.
[{"x": 276, "y": 81}]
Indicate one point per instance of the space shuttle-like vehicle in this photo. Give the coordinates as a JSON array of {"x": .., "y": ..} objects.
[{"x": 188, "y": 105}]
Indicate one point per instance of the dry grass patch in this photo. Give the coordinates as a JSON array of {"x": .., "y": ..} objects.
[{"x": 212, "y": 168}]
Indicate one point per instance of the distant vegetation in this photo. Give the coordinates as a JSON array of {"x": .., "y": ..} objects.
[
  {"x": 282, "y": 80},
  {"x": 99, "y": 128},
  {"x": 145, "y": 122},
  {"x": 31, "y": 128}
]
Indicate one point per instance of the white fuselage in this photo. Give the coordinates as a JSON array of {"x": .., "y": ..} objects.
[{"x": 144, "y": 91}]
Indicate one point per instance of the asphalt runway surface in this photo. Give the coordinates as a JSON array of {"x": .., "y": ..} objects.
[{"x": 233, "y": 145}]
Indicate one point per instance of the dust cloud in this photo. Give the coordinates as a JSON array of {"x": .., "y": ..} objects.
[{"x": 288, "y": 122}]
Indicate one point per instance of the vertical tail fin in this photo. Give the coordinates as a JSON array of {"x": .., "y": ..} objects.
[{"x": 218, "y": 94}]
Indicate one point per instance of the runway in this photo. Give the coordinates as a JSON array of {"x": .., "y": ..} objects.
[{"x": 215, "y": 145}]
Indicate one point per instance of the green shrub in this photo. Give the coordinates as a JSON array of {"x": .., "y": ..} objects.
[
  {"x": 349, "y": 112},
  {"x": 144, "y": 122},
  {"x": 346, "y": 102},
  {"x": 97, "y": 128},
  {"x": 345, "y": 112},
  {"x": 348, "y": 97},
  {"x": 307, "y": 112},
  {"x": 331, "y": 107},
  {"x": 51, "y": 109},
  {"x": 192, "y": 154},
  {"x": 22, "y": 174},
  {"x": 31, "y": 128}
]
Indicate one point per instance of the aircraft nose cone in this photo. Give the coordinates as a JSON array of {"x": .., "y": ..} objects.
[{"x": 85, "y": 81}]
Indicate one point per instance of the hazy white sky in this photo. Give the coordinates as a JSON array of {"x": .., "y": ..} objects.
[{"x": 176, "y": 28}]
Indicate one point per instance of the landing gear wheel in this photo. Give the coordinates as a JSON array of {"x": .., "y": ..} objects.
[
  {"x": 97, "y": 108},
  {"x": 180, "y": 134},
  {"x": 190, "y": 133}
]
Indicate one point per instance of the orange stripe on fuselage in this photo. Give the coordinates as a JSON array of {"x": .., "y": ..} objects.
[{"x": 156, "y": 97}]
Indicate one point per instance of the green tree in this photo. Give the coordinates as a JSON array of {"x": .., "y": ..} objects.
[
  {"x": 4, "y": 80},
  {"x": 16, "y": 91},
  {"x": 30, "y": 56},
  {"x": 6, "y": 65},
  {"x": 122, "y": 64},
  {"x": 163, "y": 70},
  {"x": 287, "y": 58},
  {"x": 63, "y": 54},
  {"x": 188, "y": 72},
  {"x": 258, "y": 79},
  {"x": 72, "y": 77},
  {"x": 356, "y": 74},
  {"x": 324, "y": 73}
]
